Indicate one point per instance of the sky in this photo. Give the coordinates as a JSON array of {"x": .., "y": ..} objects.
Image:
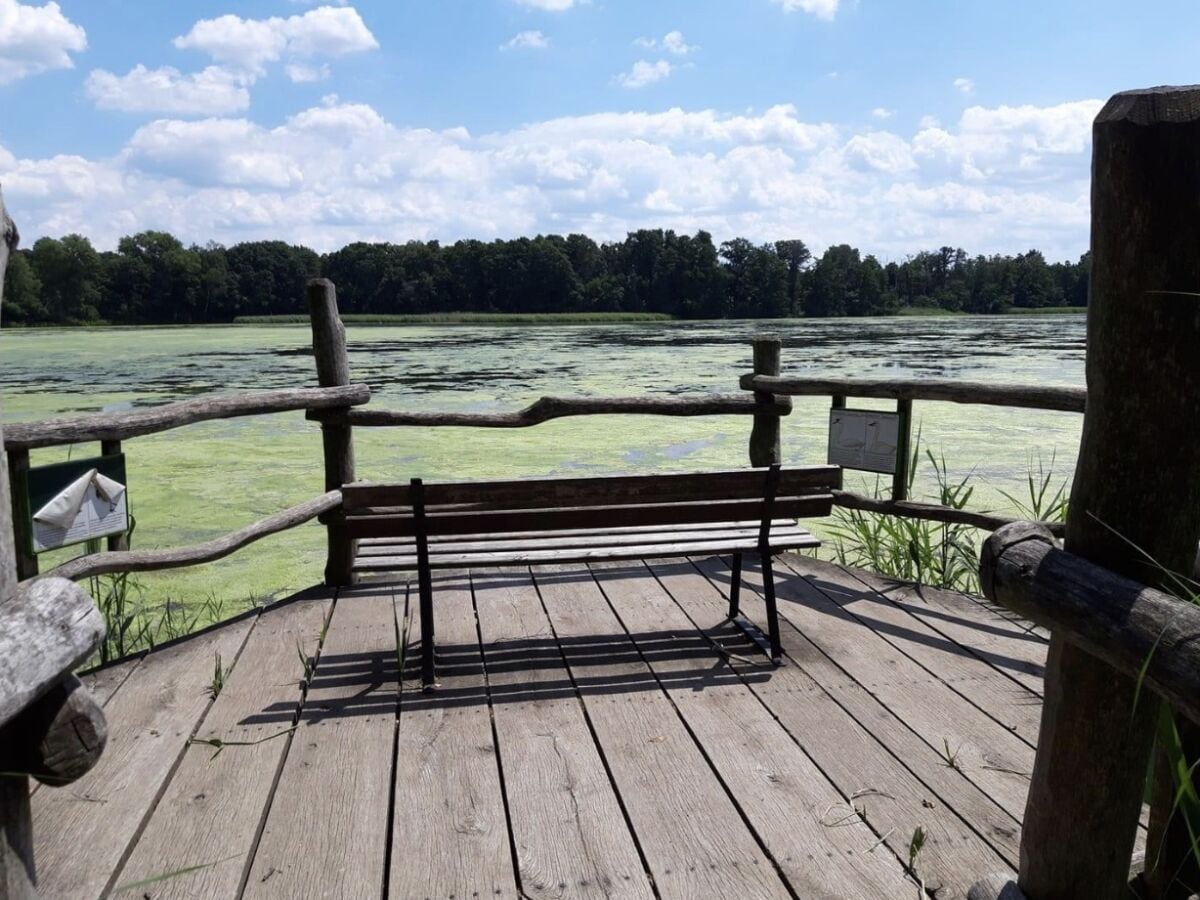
[{"x": 892, "y": 126}]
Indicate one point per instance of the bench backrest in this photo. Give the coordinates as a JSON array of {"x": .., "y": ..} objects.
[{"x": 551, "y": 504}]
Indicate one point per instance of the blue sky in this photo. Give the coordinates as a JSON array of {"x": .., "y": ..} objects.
[{"x": 892, "y": 126}]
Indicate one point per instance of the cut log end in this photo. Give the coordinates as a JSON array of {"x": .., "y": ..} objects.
[
  {"x": 60, "y": 737},
  {"x": 1162, "y": 105}
]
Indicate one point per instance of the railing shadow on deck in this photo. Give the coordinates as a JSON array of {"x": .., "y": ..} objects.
[{"x": 794, "y": 589}]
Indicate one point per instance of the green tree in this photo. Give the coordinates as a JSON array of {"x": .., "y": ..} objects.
[{"x": 71, "y": 277}]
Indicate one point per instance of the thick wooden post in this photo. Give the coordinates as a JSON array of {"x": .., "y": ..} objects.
[
  {"x": 1137, "y": 483},
  {"x": 17, "y": 873},
  {"x": 333, "y": 370},
  {"x": 764, "y": 435},
  {"x": 25, "y": 559}
]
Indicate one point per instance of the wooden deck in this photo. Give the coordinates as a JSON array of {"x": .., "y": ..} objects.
[{"x": 599, "y": 732}]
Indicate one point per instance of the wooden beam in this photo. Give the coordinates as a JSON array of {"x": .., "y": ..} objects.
[
  {"x": 60, "y": 737},
  {"x": 932, "y": 512},
  {"x": 1029, "y": 396},
  {"x": 548, "y": 408},
  {"x": 179, "y": 557},
  {"x": 765, "y": 447},
  {"x": 47, "y": 628},
  {"x": 1117, "y": 619},
  {"x": 121, "y": 426},
  {"x": 17, "y": 872},
  {"x": 333, "y": 370},
  {"x": 1136, "y": 493}
]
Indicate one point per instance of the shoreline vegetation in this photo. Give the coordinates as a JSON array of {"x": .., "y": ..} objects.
[{"x": 152, "y": 278}]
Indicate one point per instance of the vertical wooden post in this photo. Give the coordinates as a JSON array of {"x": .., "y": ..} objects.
[
  {"x": 116, "y": 541},
  {"x": 17, "y": 873},
  {"x": 333, "y": 370},
  {"x": 764, "y": 435},
  {"x": 22, "y": 518},
  {"x": 1137, "y": 484},
  {"x": 903, "y": 450}
]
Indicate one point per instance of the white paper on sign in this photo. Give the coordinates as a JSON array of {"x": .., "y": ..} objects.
[
  {"x": 64, "y": 508},
  {"x": 91, "y": 506}
]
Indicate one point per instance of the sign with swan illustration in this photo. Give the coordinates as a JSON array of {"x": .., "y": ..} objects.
[{"x": 864, "y": 439}]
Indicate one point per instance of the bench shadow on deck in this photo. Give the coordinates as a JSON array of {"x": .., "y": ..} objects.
[{"x": 598, "y": 731}]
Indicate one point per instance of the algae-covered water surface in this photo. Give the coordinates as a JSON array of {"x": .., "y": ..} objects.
[{"x": 201, "y": 481}]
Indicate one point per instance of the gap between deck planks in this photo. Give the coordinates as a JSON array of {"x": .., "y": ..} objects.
[{"x": 865, "y": 746}]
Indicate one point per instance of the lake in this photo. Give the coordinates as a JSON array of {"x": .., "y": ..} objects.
[{"x": 197, "y": 483}]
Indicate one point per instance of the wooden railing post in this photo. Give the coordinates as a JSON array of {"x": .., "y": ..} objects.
[
  {"x": 765, "y": 448},
  {"x": 1136, "y": 492},
  {"x": 333, "y": 369},
  {"x": 120, "y": 541},
  {"x": 17, "y": 874}
]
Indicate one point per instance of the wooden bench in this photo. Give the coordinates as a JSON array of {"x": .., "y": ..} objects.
[{"x": 421, "y": 527}]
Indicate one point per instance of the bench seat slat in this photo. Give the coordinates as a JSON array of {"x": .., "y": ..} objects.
[
  {"x": 591, "y": 539},
  {"x": 572, "y": 532},
  {"x": 579, "y": 554},
  {"x": 588, "y": 517},
  {"x": 609, "y": 490}
]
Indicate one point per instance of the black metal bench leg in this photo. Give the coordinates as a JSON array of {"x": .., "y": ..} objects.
[
  {"x": 772, "y": 611},
  {"x": 735, "y": 586},
  {"x": 428, "y": 673}
]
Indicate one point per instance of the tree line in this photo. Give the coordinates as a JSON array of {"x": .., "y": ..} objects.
[{"x": 152, "y": 278}]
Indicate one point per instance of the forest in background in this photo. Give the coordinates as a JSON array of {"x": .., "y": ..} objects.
[{"x": 152, "y": 278}]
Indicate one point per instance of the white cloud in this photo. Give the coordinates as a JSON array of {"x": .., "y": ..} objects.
[
  {"x": 552, "y": 5},
  {"x": 303, "y": 74},
  {"x": 822, "y": 9},
  {"x": 1000, "y": 179},
  {"x": 644, "y": 73},
  {"x": 672, "y": 42},
  {"x": 249, "y": 44},
  {"x": 213, "y": 91},
  {"x": 964, "y": 85},
  {"x": 881, "y": 112},
  {"x": 36, "y": 39},
  {"x": 526, "y": 40}
]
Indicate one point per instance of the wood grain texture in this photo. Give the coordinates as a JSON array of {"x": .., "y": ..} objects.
[
  {"x": 568, "y": 830},
  {"x": 781, "y": 793},
  {"x": 121, "y": 426},
  {"x": 61, "y": 735},
  {"x": 450, "y": 831},
  {"x": 448, "y": 559},
  {"x": 1015, "y": 647},
  {"x": 765, "y": 445},
  {"x": 213, "y": 807},
  {"x": 587, "y": 516},
  {"x": 598, "y": 490},
  {"x": 1027, "y": 396},
  {"x": 375, "y": 546},
  {"x": 1136, "y": 490},
  {"x": 337, "y": 440},
  {"x": 863, "y": 745},
  {"x": 82, "y": 832},
  {"x": 931, "y": 512},
  {"x": 548, "y": 408},
  {"x": 47, "y": 628},
  {"x": 695, "y": 842},
  {"x": 1135, "y": 629},
  {"x": 1011, "y": 705},
  {"x": 22, "y": 514},
  {"x": 986, "y": 752},
  {"x": 326, "y": 833},
  {"x": 179, "y": 557}
]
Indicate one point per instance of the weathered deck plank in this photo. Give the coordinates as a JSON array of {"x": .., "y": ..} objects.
[
  {"x": 326, "y": 832},
  {"x": 779, "y": 790},
  {"x": 209, "y": 816},
  {"x": 1014, "y": 706},
  {"x": 693, "y": 838},
  {"x": 568, "y": 829},
  {"x": 968, "y": 740},
  {"x": 84, "y": 830},
  {"x": 450, "y": 831},
  {"x": 867, "y": 750}
]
